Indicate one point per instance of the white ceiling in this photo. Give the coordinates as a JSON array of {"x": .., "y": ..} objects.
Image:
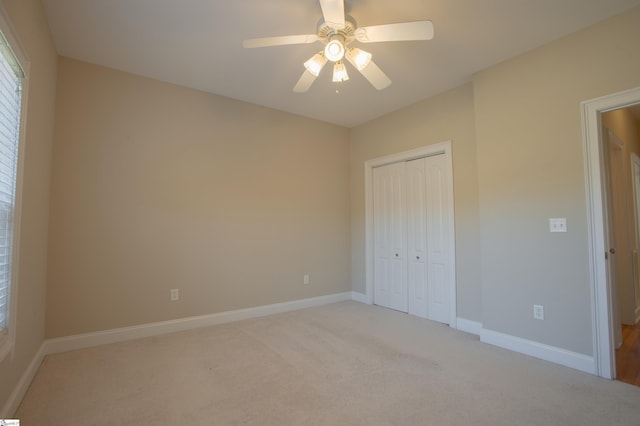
[{"x": 198, "y": 44}]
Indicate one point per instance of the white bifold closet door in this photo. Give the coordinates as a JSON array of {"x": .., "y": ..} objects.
[
  {"x": 410, "y": 244},
  {"x": 390, "y": 235}
]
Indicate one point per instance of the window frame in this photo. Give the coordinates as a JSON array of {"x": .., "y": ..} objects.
[{"x": 8, "y": 339}]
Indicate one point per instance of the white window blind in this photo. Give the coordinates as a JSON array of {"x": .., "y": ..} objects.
[{"x": 11, "y": 76}]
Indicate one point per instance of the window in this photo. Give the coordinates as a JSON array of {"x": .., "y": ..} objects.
[{"x": 11, "y": 80}]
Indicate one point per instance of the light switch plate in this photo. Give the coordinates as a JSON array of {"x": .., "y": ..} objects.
[{"x": 558, "y": 224}]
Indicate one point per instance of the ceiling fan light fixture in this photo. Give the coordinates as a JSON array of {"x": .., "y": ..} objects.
[
  {"x": 337, "y": 31},
  {"x": 334, "y": 50},
  {"x": 316, "y": 63},
  {"x": 340, "y": 72},
  {"x": 359, "y": 58}
]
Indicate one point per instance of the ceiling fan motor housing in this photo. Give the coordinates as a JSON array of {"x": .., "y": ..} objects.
[{"x": 347, "y": 34}]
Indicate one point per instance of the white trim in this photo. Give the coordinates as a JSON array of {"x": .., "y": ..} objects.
[
  {"x": 10, "y": 33},
  {"x": 80, "y": 341},
  {"x": 15, "y": 398},
  {"x": 635, "y": 161},
  {"x": 359, "y": 297},
  {"x": 428, "y": 150},
  {"x": 7, "y": 342},
  {"x": 468, "y": 326},
  {"x": 87, "y": 340},
  {"x": 553, "y": 354},
  {"x": 604, "y": 359}
]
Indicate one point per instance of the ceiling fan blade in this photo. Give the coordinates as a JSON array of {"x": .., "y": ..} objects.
[
  {"x": 404, "y": 31},
  {"x": 333, "y": 12},
  {"x": 305, "y": 82},
  {"x": 374, "y": 75},
  {"x": 279, "y": 41}
]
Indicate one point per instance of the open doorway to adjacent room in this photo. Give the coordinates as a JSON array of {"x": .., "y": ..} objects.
[
  {"x": 600, "y": 132},
  {"x": 621, "y": 187}
]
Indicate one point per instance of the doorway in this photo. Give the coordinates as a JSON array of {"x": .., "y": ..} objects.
[
  {"x": 618, "y": 153},
  {"x": 599, "y": 217}
]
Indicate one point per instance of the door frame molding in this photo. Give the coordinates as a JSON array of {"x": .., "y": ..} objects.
[
  {"x": 635, "y": 160},
  {"x": 442, "y": 148},
  {"x": 635, "y": 246},
  {"x": 602, "y": 332}
]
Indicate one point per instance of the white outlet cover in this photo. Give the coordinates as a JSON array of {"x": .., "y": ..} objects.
[
  {"x": 538, "y": 312},
  {"x": 175, "y": 294}
]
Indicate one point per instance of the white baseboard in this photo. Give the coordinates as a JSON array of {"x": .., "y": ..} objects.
[
  {"x": 468, "y": 326},
  {"x": 86, "y": 340},
  {"x": 553, "y": 354},
  {"x": 11, "y": 406},
  {"x": 359, "y": 297},
  {"x": 80, "y": 341},
  {"x": 549, "y": 353}
]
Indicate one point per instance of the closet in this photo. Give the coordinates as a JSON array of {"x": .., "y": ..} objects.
[{"x": 410, "y": 234}]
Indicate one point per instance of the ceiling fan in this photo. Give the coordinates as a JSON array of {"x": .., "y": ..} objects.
[{"x": 337, "y": 31}]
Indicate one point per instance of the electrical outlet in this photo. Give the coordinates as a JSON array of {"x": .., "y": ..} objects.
[
  {"x": 538, "y": 312},
  {"x": 175, "y": 294},
  {"x": 305, "y": 279}
]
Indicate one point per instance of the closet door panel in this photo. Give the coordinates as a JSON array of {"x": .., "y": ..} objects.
[
  {"x": 417, "y": 237},
  {"x": 437, "y": 242},
  {"x": 380, "y": 218},
  {"x": 390, "y": 281}
]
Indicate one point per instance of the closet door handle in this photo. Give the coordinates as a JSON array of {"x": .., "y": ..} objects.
[
  {"x": 396, "y": 254},
  {"x": 418, "y": 257}
]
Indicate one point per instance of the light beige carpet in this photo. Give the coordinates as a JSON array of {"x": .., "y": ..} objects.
[{"x": 340, "y": 364}]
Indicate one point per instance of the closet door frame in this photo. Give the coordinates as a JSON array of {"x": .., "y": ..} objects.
[{"x": 442, "y": 148}]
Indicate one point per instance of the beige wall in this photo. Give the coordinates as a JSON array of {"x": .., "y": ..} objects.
[
  {"x": 155, "y": 186},
  {"x": 530, "y": 168},
  {"x": 29, "y": 21},
  {"x": 623, "y": 124},
  {"x": 448, "y": 116},
  {"x": 518, "y": 161}
]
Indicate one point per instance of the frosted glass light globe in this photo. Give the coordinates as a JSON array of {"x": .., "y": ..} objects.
[{"x": 334, "y": 50}]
